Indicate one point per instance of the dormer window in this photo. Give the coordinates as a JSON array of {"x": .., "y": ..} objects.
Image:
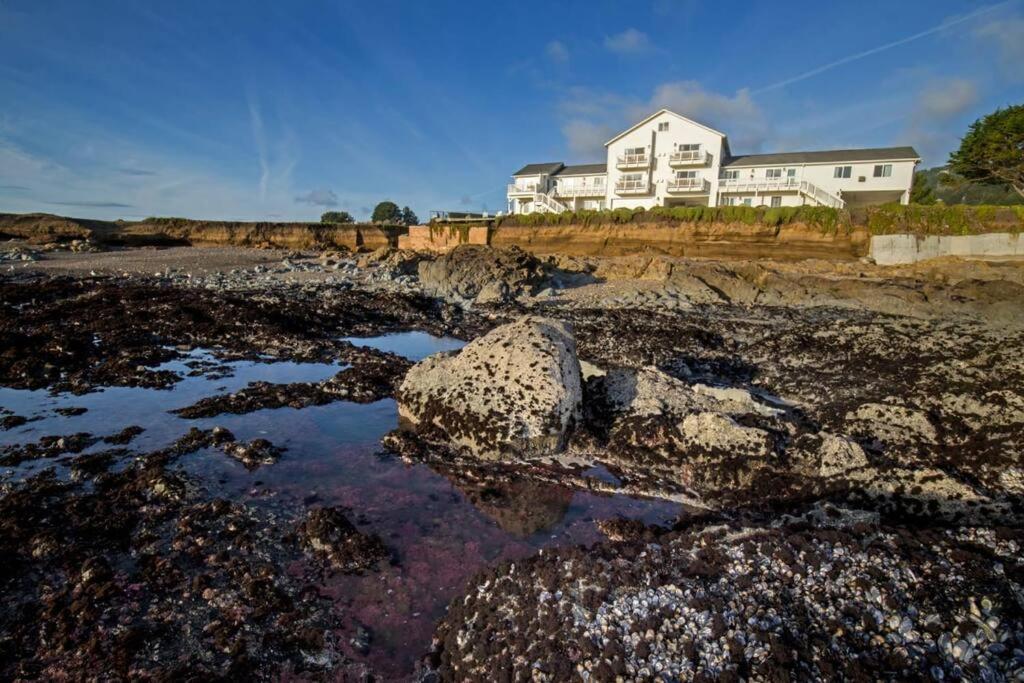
[{"x": 663, "y": 126}]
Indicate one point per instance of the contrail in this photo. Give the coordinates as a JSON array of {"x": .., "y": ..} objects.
[{"x": 880, "y": 48}]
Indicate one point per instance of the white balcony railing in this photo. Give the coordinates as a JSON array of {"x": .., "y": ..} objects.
[
  {"x": 689, "y": 185},
  {"x": 756, "y": 185},
  {"x": 528, "y": 188},
  {"x": 688, "y": 157},
  {"x": 633, "y": 186},
  {"x": 580, "y": 191},
  {"x": 633, "y": 161}
]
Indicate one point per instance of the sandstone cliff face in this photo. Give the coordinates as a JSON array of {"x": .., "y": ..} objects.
[
  {"x": 48, "y": 228},
  {"x": 732, "y": 240}
]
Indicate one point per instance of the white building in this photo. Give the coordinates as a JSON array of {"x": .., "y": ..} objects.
[{"x": 669, "y": 160}]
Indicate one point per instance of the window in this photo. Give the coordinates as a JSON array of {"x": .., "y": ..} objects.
[
  {"x": 663, "y": 126},
  {"x": 686, "y": 174},
  {"x": 773, "y": 173},
  {"x": 791, "y": 173},
  {"x": 843, "y": 172},
  {"x": 632, "y": 177},
  {"x": 747, "y": 201},
  {"x": 729, "y": 201},
  {"x": 730, "y": 175},
  {"x": 689, "y": 148},
  {"x": 636, "y": 151},
  {"x": 883, "y": 170},
  {"x": 776, "y": 201}
]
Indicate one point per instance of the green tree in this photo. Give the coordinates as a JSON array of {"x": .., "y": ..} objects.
[
  {"x": 387, "y": 212},
  {"x": 992, "y": 152},
  {"x": 408, "y": 217},
  {"x": 337, "y": 217},
  {"x": 921, "y": 192}
]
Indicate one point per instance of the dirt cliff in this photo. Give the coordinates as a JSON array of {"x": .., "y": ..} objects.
[
  {"x": 48, "y": 228},
  {"x": 709, "y": 240}
]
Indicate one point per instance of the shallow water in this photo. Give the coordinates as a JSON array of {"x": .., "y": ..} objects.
[
  {"x": 414, "y": 345},
  {"x": 438, "y": 535}
]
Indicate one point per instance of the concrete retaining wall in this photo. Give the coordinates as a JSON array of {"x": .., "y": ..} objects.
[{"x": 891, "y": 250}]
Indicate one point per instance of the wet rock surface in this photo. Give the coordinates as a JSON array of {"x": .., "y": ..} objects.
[
  {"x": 490, "y": 276},
  {"x": 515, "y": 391},
  {"x": 327, "y": 533},
  {"x": 121, "y": 330},
  {"x": 847, "y": 445},
  {"x": 730, "y": 603},
  {"x": 119, "y": 574}
]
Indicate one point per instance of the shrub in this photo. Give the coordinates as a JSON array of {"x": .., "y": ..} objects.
[{"x": 942, "y": 219}]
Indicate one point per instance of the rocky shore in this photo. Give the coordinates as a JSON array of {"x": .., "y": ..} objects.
[{"x": 845, "y": 443}]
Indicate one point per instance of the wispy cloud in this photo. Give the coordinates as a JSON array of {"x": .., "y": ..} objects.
[
  {"x": 13, "y": 188},
  {"x": 591, "y": 117},
  {"x": 933, "y": 125},
  {"x": 260, "y": 138},
  {"x": 94, "y": 205},
  {"x": 318, "y": 198},
  {"x": 138, "y": 172},
  {"x": 950, "y": 23},
  {"x": 557, "y": 51},
  {"x": 737, "y": 114},
  {"x": 586, "y": 139},
  {"x": 942, "y": 100},
  {"x": 1007, "y": 36},
  {"x": 630, "y": 41}
]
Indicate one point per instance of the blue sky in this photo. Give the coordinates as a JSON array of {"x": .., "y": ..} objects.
[{"x": 270, "y": 110}]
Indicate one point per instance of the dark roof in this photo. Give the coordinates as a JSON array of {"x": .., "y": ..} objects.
[
  {"x": 826, "y": 156},
  {"x": 537, "y": 169},
  {"x": 583, "y": 169}
]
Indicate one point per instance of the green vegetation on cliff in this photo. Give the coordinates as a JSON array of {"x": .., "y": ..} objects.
[
  {"x": 937, "y": 219},
  {"x": 823, "y": 217},
  {"x": 942, "y": 219}
]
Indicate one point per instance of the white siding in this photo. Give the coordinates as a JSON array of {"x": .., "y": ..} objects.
[
  {"x": 659, "y": 146},
  {"x": 862, "y": 187}
]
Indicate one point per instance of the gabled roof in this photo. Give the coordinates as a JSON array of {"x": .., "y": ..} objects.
[
  {"x": 659, "y": 113},
  {"x": 825, "y": 156},
  {"x": 549, "y": 168},
  {"x": 583, "y": 169}
]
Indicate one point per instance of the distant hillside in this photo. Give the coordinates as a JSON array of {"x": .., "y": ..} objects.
[{"x": 950, "y": 188}]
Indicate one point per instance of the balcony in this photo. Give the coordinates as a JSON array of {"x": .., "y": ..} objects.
[
  {"x": 689, "y": 157},
  {"x": 633, "y": 161},
  {"x": 758, "y": 184},
  {"x": 523, "y": 189},
  {"x": 688, "y": 186},
  {"x": 633, "y": 187},
  {"x": 580, "y": 191}
]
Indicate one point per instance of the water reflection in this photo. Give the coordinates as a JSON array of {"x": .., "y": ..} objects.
[{"x": 441, "y": 524}]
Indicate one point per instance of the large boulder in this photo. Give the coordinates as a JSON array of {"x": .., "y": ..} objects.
[
  {"x": 473, "y": 272},
  {"x": 514, "y": 392}
]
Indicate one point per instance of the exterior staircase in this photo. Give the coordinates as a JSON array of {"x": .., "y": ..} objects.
[
  {"x": 545, "y": 203},
  {"x": 820, "y": 196}
]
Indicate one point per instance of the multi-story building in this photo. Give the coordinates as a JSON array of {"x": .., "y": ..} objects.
[{"x": 670, "y": 160}]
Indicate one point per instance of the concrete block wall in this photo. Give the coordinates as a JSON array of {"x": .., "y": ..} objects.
[{"x": 891, "y": 250}]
